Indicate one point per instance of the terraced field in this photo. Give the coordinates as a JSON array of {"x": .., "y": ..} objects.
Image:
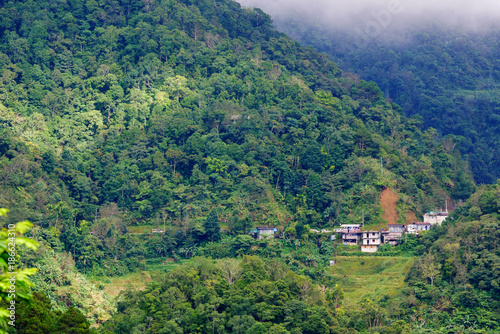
[{"x": 373, "y": 277}]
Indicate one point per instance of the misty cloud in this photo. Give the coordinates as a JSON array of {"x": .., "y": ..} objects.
[{"x": 360, "y": 14}]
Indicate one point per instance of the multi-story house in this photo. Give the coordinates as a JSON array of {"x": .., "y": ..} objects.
[
  {"x": 351, "y": 234},
  {"x": 394, "y": 234},
  {"x": 371, "y": 241}
]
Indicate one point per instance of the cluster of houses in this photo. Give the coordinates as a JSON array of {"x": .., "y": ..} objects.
[{"x": 352, "y": 234}]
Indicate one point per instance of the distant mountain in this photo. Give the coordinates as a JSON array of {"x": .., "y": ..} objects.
[{"x": 451, "y": 78}]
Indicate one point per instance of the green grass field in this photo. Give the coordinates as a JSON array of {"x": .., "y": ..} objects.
[
  {"x": 148, "y": 228},
  {"x": 372, "y": 277},
  {"x": 143, "y": 228},
  {"x": 138, "y": 280},
  {"x": 162, "y": 264},
  {"x": 115, "y": 284}
]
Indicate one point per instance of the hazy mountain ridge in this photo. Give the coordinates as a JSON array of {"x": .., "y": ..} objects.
[{"x": 439, "y": 61}]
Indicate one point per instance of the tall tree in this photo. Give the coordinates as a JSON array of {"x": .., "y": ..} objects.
[{"x": 212, "y": 227}]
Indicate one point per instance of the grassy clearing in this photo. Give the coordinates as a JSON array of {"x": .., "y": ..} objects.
[
  {"x": 142, "y": 228},
  {"x": 113, "y": 285},
  {"x": 375, "y": 227},
  {"x": 372, "y": 277},
  {"x": 148, "y": 228},
  {"x": 163, "y": 264},
  {"x": 139, "y": 280}
]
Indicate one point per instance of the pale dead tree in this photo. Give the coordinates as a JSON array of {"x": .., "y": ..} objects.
[
  {"x": 148, "y": 5},
  {"x": 211, "y": 40},
  {"x": 113, "y": 214},
  {"x": 275, "y": 72},
  {"x": 305, "y": 287},
  {"x": 231, "y": 269},
  {"x": 101, "y": 228},
  {"x": 468, "y": 243},
  {"x": 462, "y": 276},
  {"x": 449, "y": 145},
  {"x": 429, "y": 268},
  {"x": 257, "y": 60}
]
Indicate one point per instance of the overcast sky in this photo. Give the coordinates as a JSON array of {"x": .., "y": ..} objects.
[{"x": 389, "y": 14}]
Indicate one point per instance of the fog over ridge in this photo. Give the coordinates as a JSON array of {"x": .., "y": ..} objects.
[{"x": 355, "y": 14}]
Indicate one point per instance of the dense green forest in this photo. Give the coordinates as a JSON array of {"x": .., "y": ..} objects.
[
  {"x": 135, "y": 113},
  {"x": 281, "y": 286},
  {"x": 200, "y": 118},
  {"x": 451, "y": 288},
  {"x": 447, "y": 76}
]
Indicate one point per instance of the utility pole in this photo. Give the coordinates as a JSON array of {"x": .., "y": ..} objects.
[{"x": 363, "y": 215}]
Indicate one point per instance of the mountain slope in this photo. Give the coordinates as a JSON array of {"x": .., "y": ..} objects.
[
  {"x": 447, "y": 76},
  {"x": 115, "y": 101},
  {"x": 130, "y": 113}
]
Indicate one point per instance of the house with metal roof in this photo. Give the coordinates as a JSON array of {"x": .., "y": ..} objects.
[
  {"x": 417, "y": 227},
  {"x": 394, "y": 234},
  {"x": 265, "y": 232}
]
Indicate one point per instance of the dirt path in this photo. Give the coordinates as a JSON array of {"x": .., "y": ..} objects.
[{"x": 388, "y": 200}]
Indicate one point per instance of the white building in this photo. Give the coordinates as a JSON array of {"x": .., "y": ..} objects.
[
  {"x": 434, "y": 217},
  {"x": 418, "y": 227},
  {"x": 265, "y": 232},
  {"x": 371, "y": 241},
  {"x": 351, "y": 234}
]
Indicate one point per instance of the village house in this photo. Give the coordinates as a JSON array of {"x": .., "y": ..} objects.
[
  {"x": 351, "y": 234},
  {"x": 371, "y": 241},
  {"x": 265, "y": 232},
  {"x": 411, "y": 228},
  {"x": 346, "y": 228},
  {"x": 394, "y": 234},
  {"x": 417, "y": 227},
  {"x": 352, "y": 238},
  {"x": 435, "y": 217}
]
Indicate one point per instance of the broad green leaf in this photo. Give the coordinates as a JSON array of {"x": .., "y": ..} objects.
[
  {"x": 29, "y": 243},
  {"x": 23, "y": 227}
]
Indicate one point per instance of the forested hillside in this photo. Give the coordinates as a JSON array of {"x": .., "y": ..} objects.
[
  {"x": 447, "y": 76},
  {"x": 451, "y": 288},
  {"x": 462, "y": 264},
  {"x": 119, "y": 116},
  {"x": 166, "y": 111}
]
